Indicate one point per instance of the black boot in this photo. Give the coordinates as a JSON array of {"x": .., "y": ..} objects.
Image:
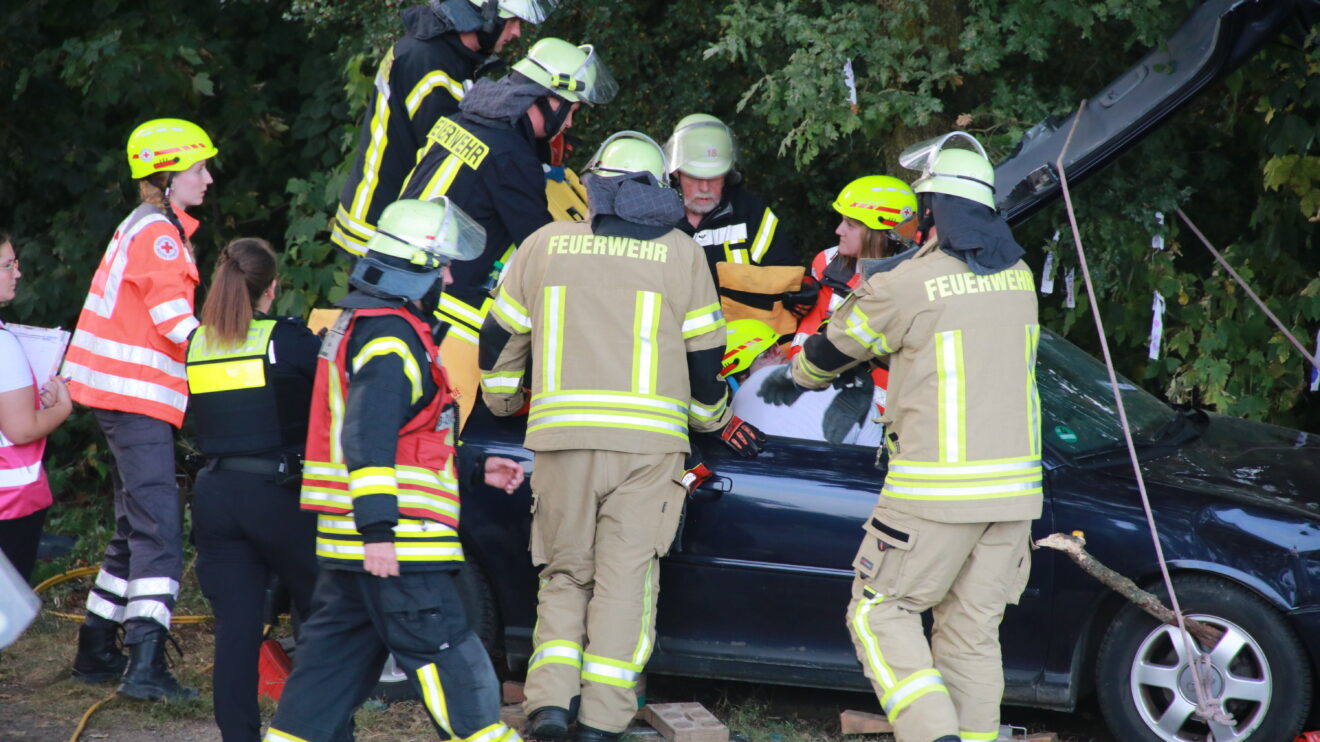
[
  {"x": 147, "y": 677},
  {"x": 100, "y": 657},
  {"x": 591, "y": 734},
  {"x": 548, "y": 724},
  {"x": 947, "y": 738}
]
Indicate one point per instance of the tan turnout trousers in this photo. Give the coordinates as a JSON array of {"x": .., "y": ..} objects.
[
  {"x": 601, "y": 521},
  {"x": 966, "y": 572}
]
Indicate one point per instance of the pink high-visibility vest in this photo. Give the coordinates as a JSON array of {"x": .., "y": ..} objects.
[{"x": 23, "y": 486}]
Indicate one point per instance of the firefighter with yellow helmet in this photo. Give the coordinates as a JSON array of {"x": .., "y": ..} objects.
[
  {"x": 957, "y": 322},
  {"x": 610, "y": 429},
  {"x": 421, "y": 78},
  {"x": 380, "y": 475},
  {"x": 485, "y": 159},
  {"x": 731, "y": 223}
]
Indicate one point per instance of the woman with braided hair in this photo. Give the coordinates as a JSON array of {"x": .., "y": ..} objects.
[
  {"x": 250, "y": 378},
  {"x": 126, "y": 362}
]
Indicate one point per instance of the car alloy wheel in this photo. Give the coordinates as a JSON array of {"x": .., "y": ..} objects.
[
  {"x": 1257, "y": 670},
  {"x": 1163, "y": 685}
]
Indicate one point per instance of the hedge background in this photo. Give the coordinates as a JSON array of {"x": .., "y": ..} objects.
[{"x": 281, "y": 86}]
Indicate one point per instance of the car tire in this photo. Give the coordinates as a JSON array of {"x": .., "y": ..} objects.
[
  {"x": 483, "y": 616},
  {"x": 1259, "y": 669}
]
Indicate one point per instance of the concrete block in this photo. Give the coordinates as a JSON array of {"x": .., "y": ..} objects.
[
  {"x": 685, "y": 722},
  {"x": 860, "y": 722},
  {"x": 513, "y": 692}
]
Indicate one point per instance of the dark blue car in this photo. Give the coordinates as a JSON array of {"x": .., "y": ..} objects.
[{"x": 757, "y": 582}]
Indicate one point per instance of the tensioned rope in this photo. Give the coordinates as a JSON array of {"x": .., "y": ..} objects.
[{"x": 1208, "y": 709}]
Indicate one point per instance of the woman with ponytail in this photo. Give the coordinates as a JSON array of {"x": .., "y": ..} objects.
[
  {"x": 250, "y": 375},
  {"x": 125, "y": 361}
]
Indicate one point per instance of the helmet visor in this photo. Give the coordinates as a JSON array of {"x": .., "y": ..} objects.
[
  {"x": 921, "y": 156},
  {"x": 610, "y": 169},
  {"x": 460, "y": 237},
  {"x": 704, "y": 149},
  {"x": 531, "y": 11},
  {"x": 591, "y": 81}
]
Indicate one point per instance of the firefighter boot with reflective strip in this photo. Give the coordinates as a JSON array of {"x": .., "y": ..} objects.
[
  {"x": 147, "y": 677},
  {"x": 100, "y": 657},
  {"x": 548, "y": 724}
]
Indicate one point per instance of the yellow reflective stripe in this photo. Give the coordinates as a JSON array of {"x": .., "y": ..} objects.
[
  {"x": 858, "y": 327},
  {"x": 552, "y": 348},
  {"x": 643, "y": 650},
  {"x": 514, "y": 314},
  {"x": 702, "y": 413},
  {"x": 975, "y": 466},
  {"x": 404, "y": 551},
  {"x": 456, "y": 311},
  {"x": 372, "y": 480},
  {"x": 443, "y": 178},
  {"x": 646, "y": 340},
  {"x": 952, "y": 475},
  {"x": 915, "y": 686},
  {"x": 971, "y": 493},
  {"x": 874, "y": 658},
  {"x": 497, "y": 732},
  {"x": 811, "y": 370},
  {"x": 700, "y": 321},
  {"x": 203, "y": 348},
  {"x": 649, "y": 403},
  {"x": 764, "y": 236},
  {"x": 226, "y": 376},
  {"x": 1032, "y": 394},
  {"x": 611, "y": 672},
  {"x": 336, "y": 400},
  {"x": 380, "y": 118},
  {"x": 275, "y": 735},
  {"x": 966, "y": 736},
  {"x": 433, "y": 694},
  {"x": 605, "y": 419},
  {"x": 424, "y": 86},
  {"x": 952, "y": 394},
  {"x": 500, "y": 382},
  {"x": 359, "y": 229},
  {"x": 387, "y": 346},
  {"x": 556, "y": 652}
]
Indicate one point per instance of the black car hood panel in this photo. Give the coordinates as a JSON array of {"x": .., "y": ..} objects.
[{"x": 1248, "y": 463}]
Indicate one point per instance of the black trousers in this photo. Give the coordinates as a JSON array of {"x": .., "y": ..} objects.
[
  {"x": 139, "y": 579},
  {"x": 19, "y": 539},
  {"x": 358, "y": 619},
  {"x": 247, "y": 528}
]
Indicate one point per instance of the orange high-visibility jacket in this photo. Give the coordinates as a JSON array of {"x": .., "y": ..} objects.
[{"x": 129, "y": 348}]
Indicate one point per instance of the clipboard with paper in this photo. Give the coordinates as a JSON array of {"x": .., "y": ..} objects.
[{"x": 44, "y": 348}]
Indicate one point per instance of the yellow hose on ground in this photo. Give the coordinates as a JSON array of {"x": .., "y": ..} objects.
[
  {"x": 87, "y": 716},
  {"x": 74, "y": 574}
]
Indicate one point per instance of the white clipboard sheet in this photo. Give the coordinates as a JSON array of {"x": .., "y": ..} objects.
[{"x": 43, "y": 347}]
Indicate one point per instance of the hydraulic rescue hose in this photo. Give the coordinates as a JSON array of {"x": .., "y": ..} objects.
[{"x": 1208, "y": 709}]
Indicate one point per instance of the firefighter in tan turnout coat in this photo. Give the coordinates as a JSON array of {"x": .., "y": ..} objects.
[
  {"x": 958, "y": 325},
  {"x": 624, "y": 331}
]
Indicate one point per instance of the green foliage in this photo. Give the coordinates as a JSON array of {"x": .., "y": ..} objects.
[{"x": 281, "y": 87}]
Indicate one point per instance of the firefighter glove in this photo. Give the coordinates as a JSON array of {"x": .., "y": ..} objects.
[
  {"x": 743, "y": 437},
  {"x": 779, "y": 387},
  {"x": 801, "y": 302}
]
